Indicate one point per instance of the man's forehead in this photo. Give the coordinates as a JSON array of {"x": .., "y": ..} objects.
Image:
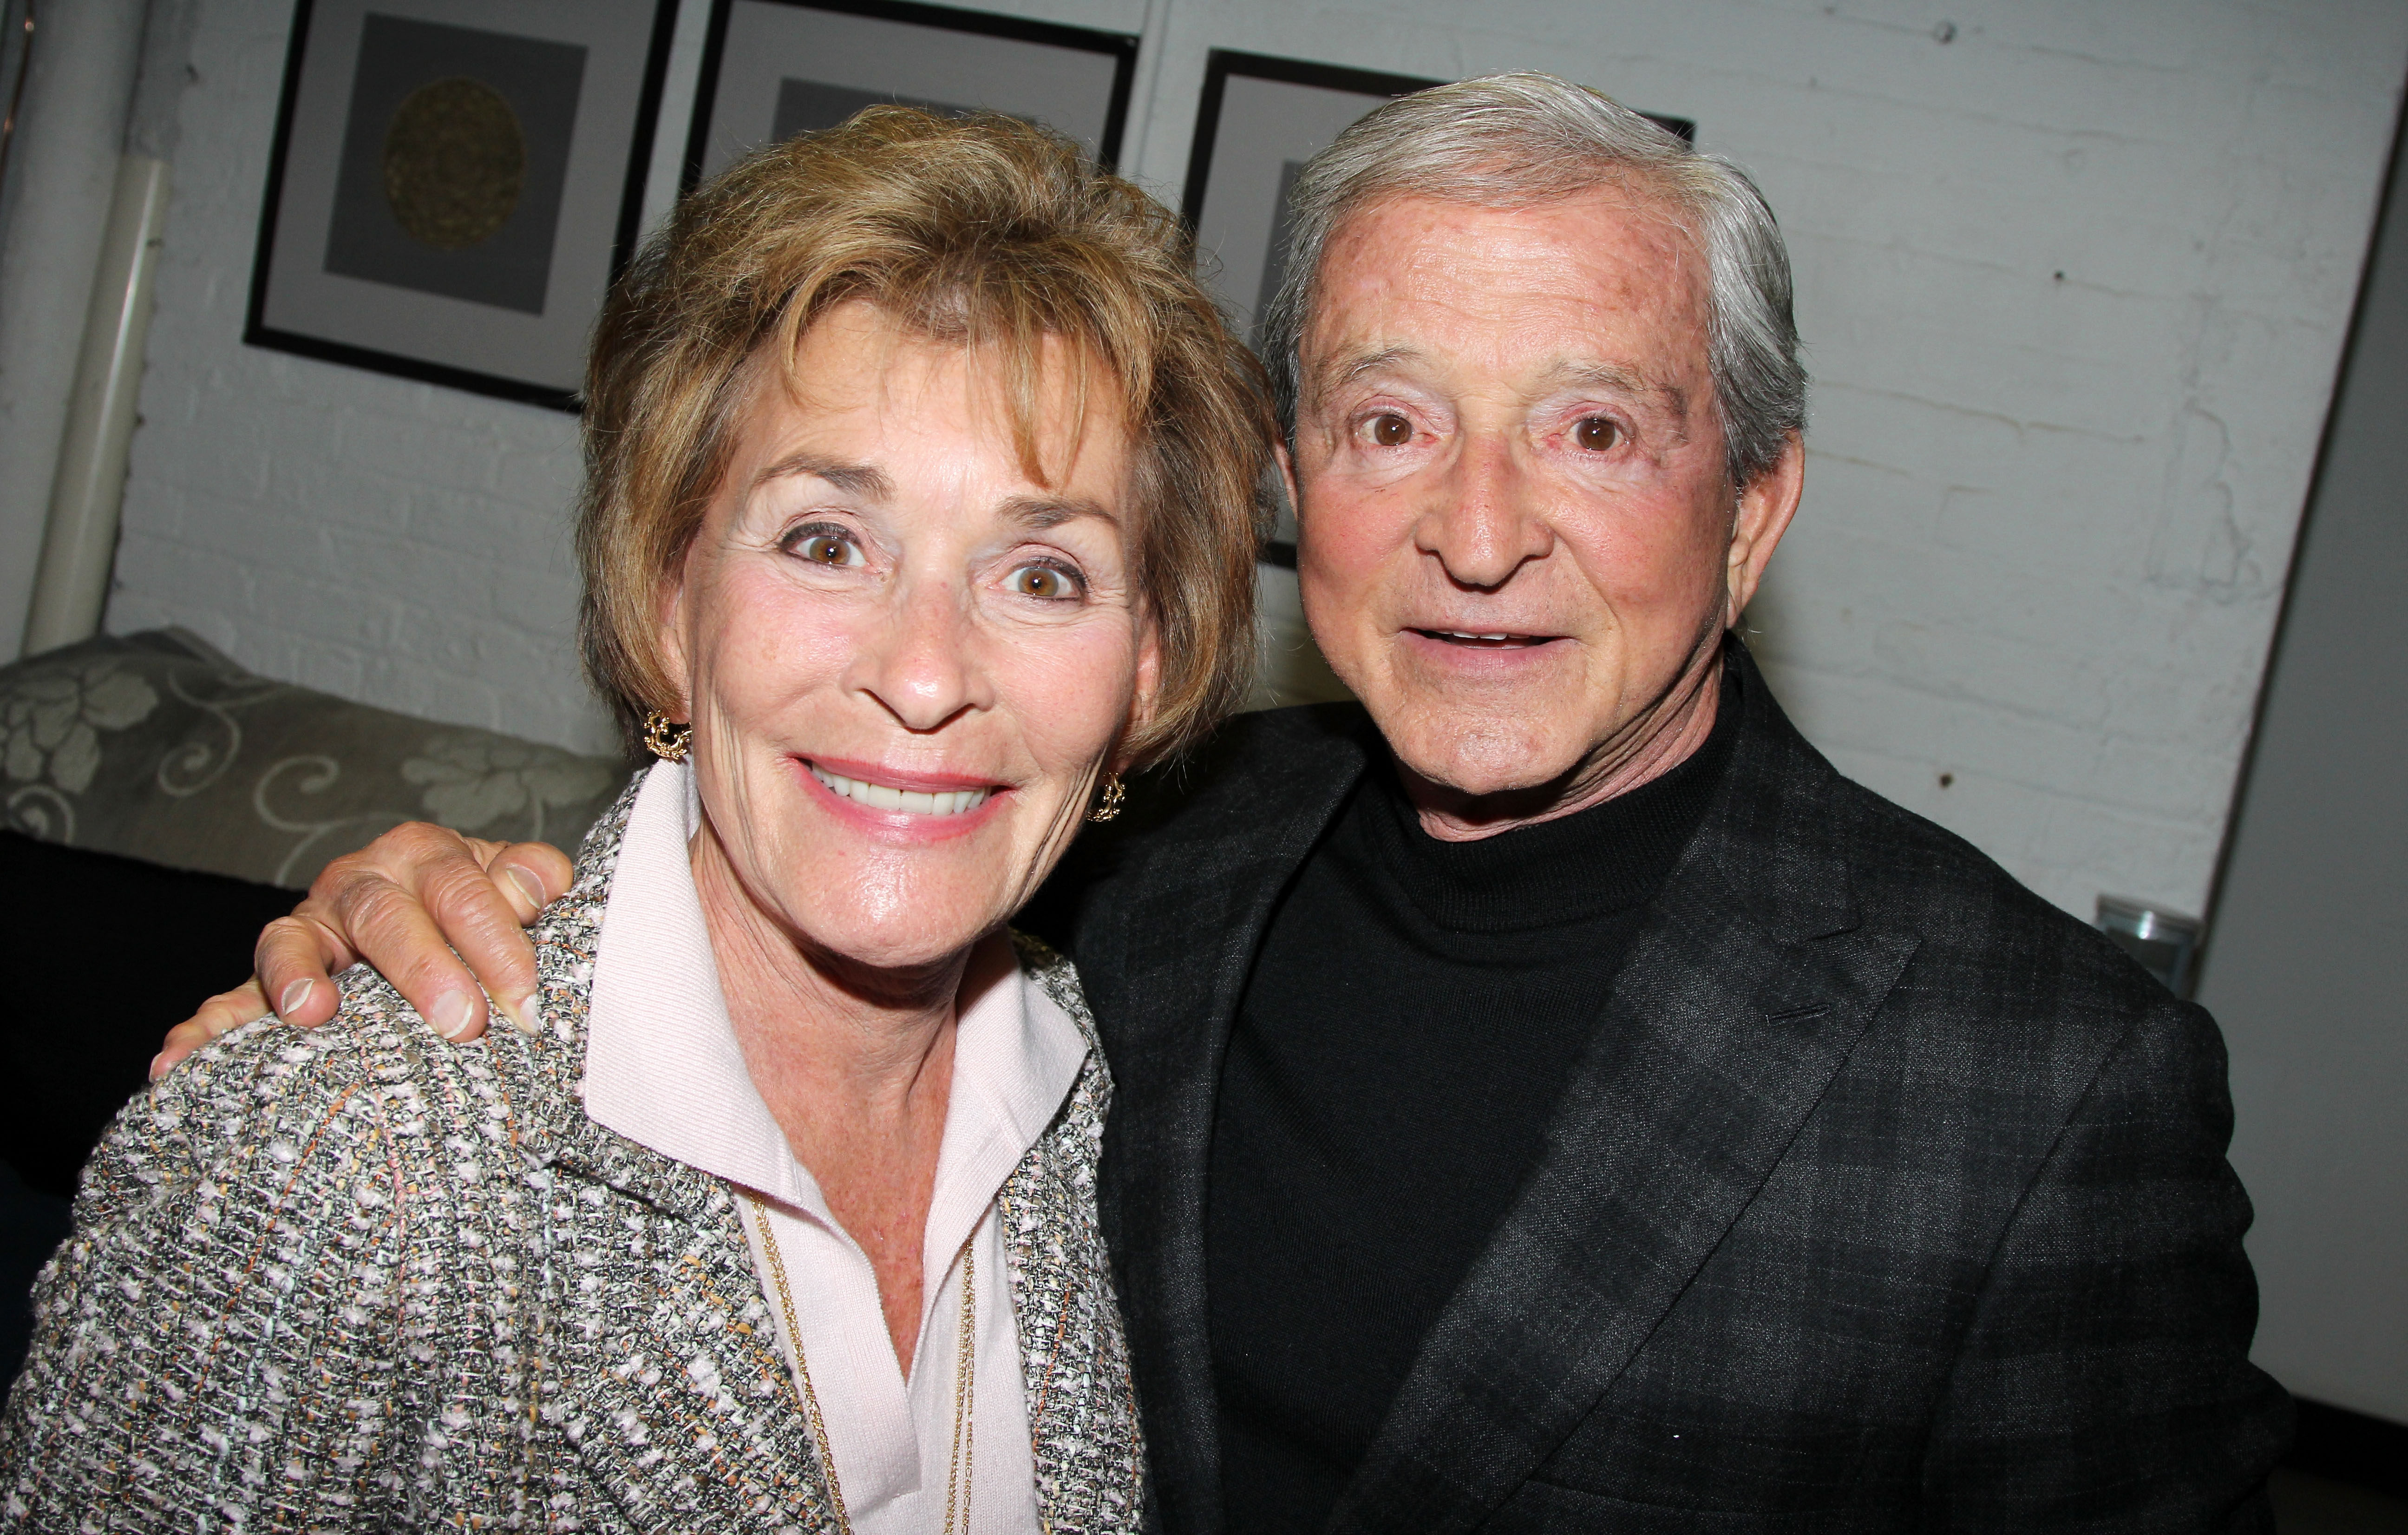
[{"x": 1601, "y": 288}]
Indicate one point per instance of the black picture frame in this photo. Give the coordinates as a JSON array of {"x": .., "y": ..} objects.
[
  {"x": 329, "y": 285},
  {"x": 729, "y": 114},
  {"x": 1247, "y": 273}
]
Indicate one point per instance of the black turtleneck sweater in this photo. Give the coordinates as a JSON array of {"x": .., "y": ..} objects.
[{"x": 1416, "y": 1011}]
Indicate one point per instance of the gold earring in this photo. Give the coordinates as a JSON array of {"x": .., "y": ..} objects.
[
  {"x": 665, "y": 738},
  {"x": 1110, "y": 805}
]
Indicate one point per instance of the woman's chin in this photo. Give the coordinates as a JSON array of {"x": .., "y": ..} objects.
[{"x": 901, "y": 949}]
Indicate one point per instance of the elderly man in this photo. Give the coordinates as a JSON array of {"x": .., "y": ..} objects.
[{"x": 1552, "y": 1098}]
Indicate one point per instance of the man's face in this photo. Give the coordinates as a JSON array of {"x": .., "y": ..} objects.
[{"x": 1518, "y": 541}]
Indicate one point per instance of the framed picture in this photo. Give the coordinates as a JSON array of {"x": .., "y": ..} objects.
[
  {"x": 774, "y": 68},
  {"x": 454, "y": 183}
]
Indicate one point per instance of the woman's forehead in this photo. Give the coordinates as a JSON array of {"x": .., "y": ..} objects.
[{"x": 859, "y": 376}]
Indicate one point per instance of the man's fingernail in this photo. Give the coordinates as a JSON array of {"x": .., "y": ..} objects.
[
  {"x": 523, "y": 1012},
  {"x": 527, "y": 885},
  {"x": 158, "y": 1065},
  {"x": 294, "y": 994},
  {"x": 451, "y": 1015}
]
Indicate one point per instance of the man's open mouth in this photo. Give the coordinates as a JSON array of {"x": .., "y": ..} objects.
[{"x": 1486, "y": 642}]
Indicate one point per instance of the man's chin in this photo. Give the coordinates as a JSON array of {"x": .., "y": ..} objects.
[{"x": 1483, "y": 758}]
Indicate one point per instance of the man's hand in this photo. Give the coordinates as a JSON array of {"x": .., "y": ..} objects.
[{"x": 404, "y": 903}]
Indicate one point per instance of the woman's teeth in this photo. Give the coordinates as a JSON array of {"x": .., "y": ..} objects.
[{"x": 909, "y": 801}]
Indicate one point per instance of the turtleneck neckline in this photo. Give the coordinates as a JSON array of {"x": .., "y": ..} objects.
[{"x": 1609, "y": 858}]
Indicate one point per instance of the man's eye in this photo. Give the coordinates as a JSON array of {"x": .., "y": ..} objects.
[
  {"x": 1043, "y": 582},
  {"x": 1390, "y": 430},
  {"x": 827, "y": 548},
  {"x": 1595, "y": 433}
]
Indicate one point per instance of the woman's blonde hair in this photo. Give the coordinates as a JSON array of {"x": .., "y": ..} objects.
[{"x": 982, "y": 231}]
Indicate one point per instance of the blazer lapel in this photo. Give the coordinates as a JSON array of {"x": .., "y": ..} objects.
[
  {"x": 659, "y": 1332},
  {"x": 1166, "y": 972},
  {"x": 686, "y": 1407},
  {"x": 1740, "y": 1000}
]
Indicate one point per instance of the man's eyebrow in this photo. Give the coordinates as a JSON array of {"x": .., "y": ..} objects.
[
  {"x": 1612, "y": 378},
  {"x": 1608, "y": 377},
  {"x": 1341, "y": 370},
  {"x": 1039, "y": 513},
  {"x": 860, "y": 480}
]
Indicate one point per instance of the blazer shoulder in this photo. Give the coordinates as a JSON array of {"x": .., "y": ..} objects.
[
  {"x": 1992, "y": 956},
  {"x": 270, "y": 1107}
]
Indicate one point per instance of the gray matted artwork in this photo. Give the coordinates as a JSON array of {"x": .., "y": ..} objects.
[
  {"x": 454, "y": 160},
  {"x": 452, "y": 184},
  {"x": 1275, "y": 249},
  {"x": 806, "y": 106},
  {"x": 774, "y": 68}
]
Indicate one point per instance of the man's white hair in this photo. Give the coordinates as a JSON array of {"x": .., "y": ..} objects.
[{"x": 1524, "y": 139}]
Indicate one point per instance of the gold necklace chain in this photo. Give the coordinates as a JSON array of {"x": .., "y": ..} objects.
[{"x": 958, "y": 1466}]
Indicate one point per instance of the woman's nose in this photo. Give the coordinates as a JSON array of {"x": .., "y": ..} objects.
[{"x": 919, "y": 659}]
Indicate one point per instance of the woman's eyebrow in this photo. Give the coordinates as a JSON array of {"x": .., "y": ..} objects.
[
  {"x": 1041, "y": 513},
  {"x": 862, "y": 479}
]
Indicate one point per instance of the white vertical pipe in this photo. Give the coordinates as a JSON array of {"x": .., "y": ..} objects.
[
  {"x": 61, "y": 173},
  {"x": 80, "y": 543}
]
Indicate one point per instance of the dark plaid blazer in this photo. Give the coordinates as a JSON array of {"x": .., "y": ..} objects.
[{"x": 1887, "y": 1198}]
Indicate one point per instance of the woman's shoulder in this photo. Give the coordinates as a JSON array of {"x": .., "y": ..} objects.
[{"x": 267, "y": 1102}]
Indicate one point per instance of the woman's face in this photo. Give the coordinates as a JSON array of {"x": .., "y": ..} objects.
[{"x": 905, "y": 662}]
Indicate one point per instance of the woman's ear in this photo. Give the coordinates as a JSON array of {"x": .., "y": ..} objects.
[
  {"x": 1148, "y": 691},
  {"x": 668, "y": 635}
]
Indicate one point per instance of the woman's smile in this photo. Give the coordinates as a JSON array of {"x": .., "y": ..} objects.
[
  {"x": 880, "y": 791},
  {"x": 893, "y": 806}
]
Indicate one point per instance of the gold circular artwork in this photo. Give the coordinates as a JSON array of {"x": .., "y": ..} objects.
[{"x": 454, "y": 161}]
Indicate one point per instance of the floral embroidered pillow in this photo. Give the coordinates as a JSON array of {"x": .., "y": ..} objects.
[{"x": 156, "y": 746}]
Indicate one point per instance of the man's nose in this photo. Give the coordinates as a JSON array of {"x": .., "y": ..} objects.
[
  {"x": 1487, "y": 518},
  {"x": 920, "y": 658}
]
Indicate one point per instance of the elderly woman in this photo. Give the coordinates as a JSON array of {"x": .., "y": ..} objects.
[{"x": 920, "y": 503}]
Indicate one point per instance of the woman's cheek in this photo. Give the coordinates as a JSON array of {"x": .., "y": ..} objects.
[{"x": 1074, "y": 689}]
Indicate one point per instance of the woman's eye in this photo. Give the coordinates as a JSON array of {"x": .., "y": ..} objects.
[
  {"x": 1595, "y": 434},
  {"x": 827, "y": 548},
  {"x": 1390, "y": 430},
  {"x": 1043, "y": 582}
]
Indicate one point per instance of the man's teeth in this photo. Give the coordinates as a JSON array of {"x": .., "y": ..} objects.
[
  {"x": 1458, "y": 634},
  {"x": 909, "y": 801}
]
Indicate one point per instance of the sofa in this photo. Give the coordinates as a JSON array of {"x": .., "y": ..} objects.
[{"x": 161, "y": 804}]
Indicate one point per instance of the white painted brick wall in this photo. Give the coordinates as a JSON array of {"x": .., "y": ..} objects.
[{"x": 2047, "y": 517}]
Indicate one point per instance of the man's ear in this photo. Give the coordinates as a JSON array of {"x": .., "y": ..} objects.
[{"x": 1764, "y": 509}]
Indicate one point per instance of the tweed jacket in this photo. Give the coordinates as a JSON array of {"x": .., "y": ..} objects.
[
  {"x": 356, "y": 1278},
  {"x": 1887, "y": 1197}
]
